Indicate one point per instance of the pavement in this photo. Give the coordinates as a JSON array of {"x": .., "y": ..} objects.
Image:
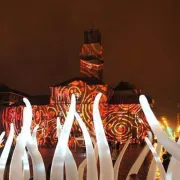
[
  {"x": 79, "y": 154},
  {"x": 129, "y": 158}
]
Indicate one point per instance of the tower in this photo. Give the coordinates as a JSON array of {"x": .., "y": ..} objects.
[{"x": 91, "y": 59}]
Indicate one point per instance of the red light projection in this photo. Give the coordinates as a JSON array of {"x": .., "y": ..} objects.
[
  {"x": 121, "y": 121},
  {"x": 91, "y": 60},
  {"x": 90, "y": 69},
  {"x": 124, "y": 121},
  {"x": 94, "y": 50},
  {"x": 84, "y": 93}
]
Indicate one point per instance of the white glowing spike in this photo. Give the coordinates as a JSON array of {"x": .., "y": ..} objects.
[
  {"x": 81, "y": 169},
  {"x": 90, "y": 155},
  {"x": 157, "y": 159},
  {"x": 34, "y": 138},
  {"x": 118, "y": 161},
  {"x": 8, "y": 144},
  {"x": 168, "y": 144},
  {"x": 84, "y": 163},
  {"x": 70, "y": 164},
  {"x": 96, "y": 151},
  {"x": 153, "y": 167},
  {"x": 26, "y": 170},
  {"x": 39, "y": 171},
  {"x": 16, "y": 172},
  {"x": 95, "y": 148},
  {"x": 173, "y": 168},
  {"x": 34, "y": 132},
  {"x": 60, "y": 151},
  {"x": 27, "y": 117},
  {"x": 2, "y": 136},
  {"x": 137, "y": 164},
  {"x": 37, "y": 161},
  {"x": 59, "y": 127},
  {"x": 106, "y": 167},
  {"x": 5, "y": 153}
]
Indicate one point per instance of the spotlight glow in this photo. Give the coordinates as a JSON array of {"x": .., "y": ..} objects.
[{"x": 157, "y": 159}]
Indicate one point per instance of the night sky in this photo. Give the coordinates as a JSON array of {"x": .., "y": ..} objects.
[{"x": 40, "y": 43}]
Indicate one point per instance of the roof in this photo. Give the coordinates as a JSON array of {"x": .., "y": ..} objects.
[
  {"x": 127, "y": 99},
  {"x": 5, "y": 88},
  {"x": 87, "y": 80},
  {"x": 124, "y": 86},
  {"x": 35, "y": 100},
  {"x": 126, "y": 93}
]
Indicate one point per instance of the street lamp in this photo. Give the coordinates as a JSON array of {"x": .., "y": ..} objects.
[
  {"x": 178, "y": 129},
  {"x": 164, "y": 119}
]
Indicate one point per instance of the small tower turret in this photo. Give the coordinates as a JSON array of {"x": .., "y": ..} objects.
[{"x": 91, "y": 59}]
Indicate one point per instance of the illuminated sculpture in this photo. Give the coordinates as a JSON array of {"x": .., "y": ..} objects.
[
  {"x": 25, "y": 139},
  {"x": 173, "y": 168},
  {"x": 19, "y": 168},
  {"x": 57, "y": 168},
  {"x": 90, "y": 154},
  {"x": 2, "y": 136},
  {"x": 172, "y": 147},
  {"x": 152, "y": 169},
  {"x": 62, "y": 152},
  {"x": 71, "y": 168},
  {"x": 157, "y": 159},
  {"x": 106, "y": 167},
  {"x": 5, "y": 153}
]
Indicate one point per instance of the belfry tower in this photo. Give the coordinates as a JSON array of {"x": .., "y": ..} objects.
[{"x": 91, "y": 59}]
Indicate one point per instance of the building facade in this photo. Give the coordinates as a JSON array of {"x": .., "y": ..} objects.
[{"x": 119, "y": 107}]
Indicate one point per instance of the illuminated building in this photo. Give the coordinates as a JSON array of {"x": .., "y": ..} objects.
[{"x": 119, "y": 107}]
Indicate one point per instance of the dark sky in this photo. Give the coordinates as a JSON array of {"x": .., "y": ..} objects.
[{"x": 40, "y": 42}]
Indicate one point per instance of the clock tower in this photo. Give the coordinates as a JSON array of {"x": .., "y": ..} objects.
[{"x": 91, "y": 59}]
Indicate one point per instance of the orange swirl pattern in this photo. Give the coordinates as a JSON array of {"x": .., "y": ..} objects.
[
  {"x": 94, "y": 49},
  {"x": 90, "y": 69},
  {"x": 121, "y": 121},
  {"x": 91, "y": 60},
  {"x": 124, "y": 122}
]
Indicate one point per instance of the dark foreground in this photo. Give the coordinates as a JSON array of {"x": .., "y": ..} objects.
[{"x": 129, "y": 158}]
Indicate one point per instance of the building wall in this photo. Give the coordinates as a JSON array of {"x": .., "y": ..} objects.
[
  {"x": 125, "y": 121},
  {"x": 85, "y": 93},
  {"x": 119, "y": 120}
]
